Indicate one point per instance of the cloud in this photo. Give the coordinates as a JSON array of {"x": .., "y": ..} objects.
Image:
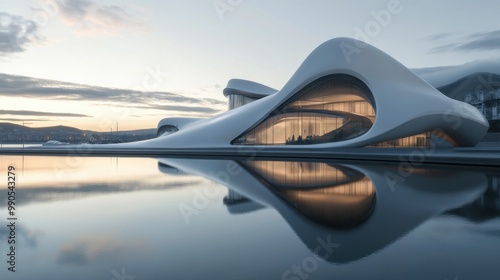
[
  {"x": 15, "y": 33},
  {"x": 91, "y": 248},
  {"x": 22, "y": 120},
  {"x": 93, "y": 19},
  {"x": 21, "y": 86},
  {"x": 438, "y": 37},
  {"x": 38, "y": 113},
  {"x": 47, "y": 190},
  {"x": 75, "y": 9},
  {"x": 181, "y": 108},
  {"x": 481, "y": 41}
]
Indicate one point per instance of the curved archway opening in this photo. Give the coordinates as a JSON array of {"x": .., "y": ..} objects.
[{"x": 333, "y": 108}]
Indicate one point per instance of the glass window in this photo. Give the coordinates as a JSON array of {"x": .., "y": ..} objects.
[
  {"x": 335, "y": 196},
  {"x": 422, "y": 140},
  {"x": 166, "y": 130},
  {"x": 235, "y": 101},
  {"x": 333, "y": 108},
  {"x": 419, "y": 140}
]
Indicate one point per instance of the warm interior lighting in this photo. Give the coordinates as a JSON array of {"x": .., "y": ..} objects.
[
  {"x": 342, "y": 206},
  {"x": 331, "y": 195},
  {"x": 331, "y": 109}
]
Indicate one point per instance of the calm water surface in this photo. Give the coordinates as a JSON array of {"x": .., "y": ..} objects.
[{"x": 173, "y": 218}]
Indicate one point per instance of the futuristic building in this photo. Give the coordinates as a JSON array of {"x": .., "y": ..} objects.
[{"x": 343, "y": 95}]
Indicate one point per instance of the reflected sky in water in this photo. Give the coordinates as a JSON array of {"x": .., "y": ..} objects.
[{"x": 174, "y": 218}]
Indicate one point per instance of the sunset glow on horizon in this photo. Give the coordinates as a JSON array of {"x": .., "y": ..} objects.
[{"x": 95, "y": 64}]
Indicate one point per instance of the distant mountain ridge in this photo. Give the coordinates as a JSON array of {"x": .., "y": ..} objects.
[
  {"x": 6, "y": 127},
  {"x": 10, "y": 127},
  {"x": 480, "y": 81}
]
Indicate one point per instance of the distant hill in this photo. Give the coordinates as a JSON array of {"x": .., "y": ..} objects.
[
  {"x": 10, "y": 127},
  {"x": 141, "y": 131},
  {"x": 471, "y": 83},
  {"x": 14, "y": 134},
  {"x": 6, "y": 127}
]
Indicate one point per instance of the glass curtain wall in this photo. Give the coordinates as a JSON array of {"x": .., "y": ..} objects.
[
  {"x": 296, "y": 175},
  {"x": 333, "y": 108},
  {"x": 419, "y": 140},
  {"x": 331, "y": 195},
  {"x": 235, "y": 101},
  {"x": 422, "y": 140},
  {"x": 166, "y": 130}
]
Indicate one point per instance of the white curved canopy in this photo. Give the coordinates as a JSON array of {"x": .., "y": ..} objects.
[
  {"x": 405, "y": 104},
  {"x": 248, "y": 89}
]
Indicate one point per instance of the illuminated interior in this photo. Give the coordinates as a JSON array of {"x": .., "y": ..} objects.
[
  {"x": 333, "y": 108},
  {"x": 235, "y": 100},
  {"x": 422, "y": 140},
  {"x": 331, "y": 195},
  {"x": 419, "y": 140}
]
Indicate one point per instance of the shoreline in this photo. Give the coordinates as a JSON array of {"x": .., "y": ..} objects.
[{"x": 474, "y": 156}]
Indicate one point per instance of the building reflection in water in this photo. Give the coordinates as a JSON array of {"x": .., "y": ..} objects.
[
  {"x": 340, "y": 197},
  {"x": 484, "y": 208},
  {"x": 334, "y": 196},
  {"x": 58, "y": 178},
  {"x": 347, "y": 203}
]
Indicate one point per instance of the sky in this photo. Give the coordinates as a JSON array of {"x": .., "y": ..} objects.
[{"x": 95, "y": 64}]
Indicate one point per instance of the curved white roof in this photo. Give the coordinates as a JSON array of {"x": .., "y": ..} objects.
[
  {"x": 248, "y": 88},
  {"x": 405, "y": 104},
  {"x": 177, "y": 122}
]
